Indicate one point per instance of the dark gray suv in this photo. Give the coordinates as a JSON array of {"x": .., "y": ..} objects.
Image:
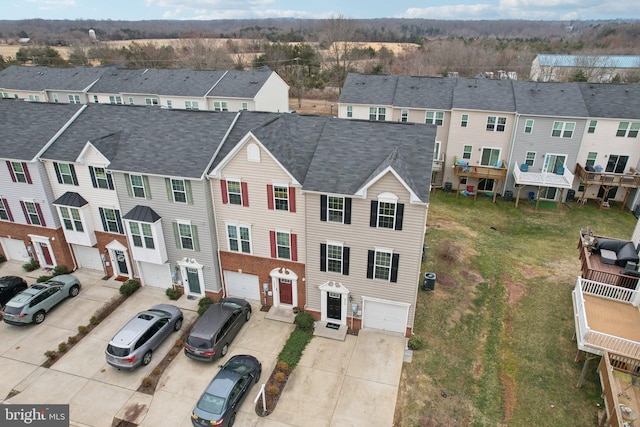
[{"x": 216, "y": 328}]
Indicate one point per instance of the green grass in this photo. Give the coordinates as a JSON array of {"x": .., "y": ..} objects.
[
  {"x": 295, "y": 345},
  {"x": 498, "y": 328}
]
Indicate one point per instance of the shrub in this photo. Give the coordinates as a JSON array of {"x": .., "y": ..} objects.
[
  {"x": 203, "y": 305},
  {"x": 94, "y": 320},
  {"x": 282, "y": 366},
  {"x": 304, "y": 321},
  {"x": 50, "y": 354},
  {"x": 62, "y": 347},
  {"x": 416, "y": 343},
  {"x": 156, "y": 371},
  {"x": 273, "y": 390},
  {"x": 280, "y": 377},
  {"x": 108, "y": 308},
  {"x": 129, "y": 287},
  {"x": 72, "y": 339},
  {"x": 31, "y": 265},
  {"x": 294, "y": 346},
  {"x": 43, "y": 278},
  {"x": 60, "y": 269},
  {"x": 173, "y": 351},
  {"x": 147, "y": 382},
  {"x": 83, "y": 330},
  {"x": 179, "y": 343},
  {"x": 173, "y": 293}
]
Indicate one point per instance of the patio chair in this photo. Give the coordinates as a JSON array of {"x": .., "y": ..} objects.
[{"x": 470, "y": 190}]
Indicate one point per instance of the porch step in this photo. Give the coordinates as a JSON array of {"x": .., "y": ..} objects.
[
  {"x": 280, "y": 314},
  {"x": 321, "y": 330}
]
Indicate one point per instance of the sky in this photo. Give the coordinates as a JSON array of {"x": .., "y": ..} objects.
[{"x": 136, "y": 10}]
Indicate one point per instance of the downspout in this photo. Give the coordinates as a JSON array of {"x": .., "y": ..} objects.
[{"x": 513, "y": 142}]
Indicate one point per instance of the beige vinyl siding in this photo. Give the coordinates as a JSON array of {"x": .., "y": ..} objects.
[
  {"x": 257, "y": 214},
  {"x": 361, "y": 238},
  {"x": 198, "y": 213},
  {"x": 476, "y": 135},
  {"x": 361, "y": 111}
]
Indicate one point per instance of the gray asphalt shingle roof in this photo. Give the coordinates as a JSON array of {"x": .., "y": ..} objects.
[
  {"x": 41, "y": 78},
  {"x": 424, "y": 92},
  {"x": 549, "y": 99},
  {"x": 142, "y": 214},
  {"x": 71, "y": 198},
  {"x": 371, "y": 89},
  {"x": 28, "y": 126},
  {"x": 609, "y": 100},
  {"x": 153, "y": 81},
  {"x": 241, "y": 84},
  {"x": 483, "y": 94},
  {"x": 145, "y": 139}
]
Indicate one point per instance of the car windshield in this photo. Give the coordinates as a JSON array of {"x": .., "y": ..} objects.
[
  {"x": 117, "y": 351},
  {"x": 211, "y": 404},
  {"x": 196, "y": 342},
  {"x": 231, "y": 304},
  {"x": 237, "y": 367}
]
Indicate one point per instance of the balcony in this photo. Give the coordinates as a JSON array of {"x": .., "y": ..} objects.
[
  {"x": 608, "y": 180},
  {"x": 542, "y": 179},
  {"x": 462, "y": 168},
  {"x": 620, "y": 389},
  {"x": 593, "y": 268},
  {"x": 437, "y": 163}
]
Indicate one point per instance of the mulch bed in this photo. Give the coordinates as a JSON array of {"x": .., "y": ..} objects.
[{"x": 273, "y": 390}]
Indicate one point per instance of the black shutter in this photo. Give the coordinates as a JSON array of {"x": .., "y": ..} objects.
[
  {"x": 103, "y": 219},
  {"x": 74, "y": 177},
  {"x": 94, "y": 182},
  {"x": 371, "y": 259},
  {"x": 345, "y": 261},
  {"x": 347, "y": 210},
  {"x": 323, "y": 257},
  {"x": 109, "y": 180},
  {"x": 394, "y": 267},
  {"x": 323, "y": 208},
  {"x": 399, "y": 215},
  {"x": 373, "y": 221},
  {"x": 57, "y": 169},
  {"x": 119, "y": 220}
]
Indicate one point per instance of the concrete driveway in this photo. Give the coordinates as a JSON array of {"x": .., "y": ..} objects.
[{"x": 337, "y": 383}]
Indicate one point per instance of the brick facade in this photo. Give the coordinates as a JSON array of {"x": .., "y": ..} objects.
[
  {"x": 56, "y": 238},
  {"x": 262, "y": 267},
  {"x": 103, "y": 239}
]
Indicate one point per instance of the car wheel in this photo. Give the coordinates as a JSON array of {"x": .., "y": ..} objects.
[
  {"x": 74, "y": 291},
  {"x": 232, "y": 420},
  {"x": 178, "y": 325},
  {"x": 146, "y": 359},
  {"x": 224, "y": 350},
  {"x": 39, "y": 317},
  {"x": 248, "y": 315}
]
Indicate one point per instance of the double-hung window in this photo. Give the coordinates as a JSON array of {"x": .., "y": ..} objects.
[
  {"x": 628, "y": 129},
  {"x": 100, "y": 178},
  {"x": 404, "y": 115},
  {"x": 349, "y": 111},
  {"x": 19, "y": 172},
  {"x": 464, "y": 120},
  {"x": 466, "y": 152},
  {"x": 5, "y": 213},
  {"x": 434, "y": 118},
  {"x": 65, "y": 173},
  {"x": 592, "y": 126},
  {"x": 283, "y": 245},
  {"x": 591, "y": 159},
  {"x": 71, "y": 219},
  {"x": 335, "y": 209},
  {"x": 191, "y": 105},
  {"x": 73, "y": 99},
  {"x": 530, "y": 158},
  {"x": 334, "y": 258},
  {"x": 141, "y": 235},
  {"x": 111, "y": 221},
  {"x": 220, "y": 106},
  {"x": 138, "y": 186},
  {"x": 234, "y": 192},
  {"x": 35, "y": 98},
  {"x": 32, "y": 213},
  {"x": 563, "y": 129},
  {"x": 245, "y": 106},
  {"x": 496, "y": 124},
  {"x": 151, "y": 101},
  {"x": 186, "y": 236},
  {"x": 115, "y": 99},
  {"x": 179, "y": 191},
  {"x": 386, "y": 212},
  {"x": 239, "y": 238},
  {"x": 280, "y": 197},
  {"x": 528, "y": 126},
  {"x": 382, "y": 264},
  {"x": 377, "y": 113}
]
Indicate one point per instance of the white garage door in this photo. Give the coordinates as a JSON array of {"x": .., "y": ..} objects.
[
  {"x": 158, "y": 275},
  {"x": 88, "y": 257},
  {"x": 384, "y": 315},
  {"x": 14, "y": 249},
  {"x": 242, "y": 285}
]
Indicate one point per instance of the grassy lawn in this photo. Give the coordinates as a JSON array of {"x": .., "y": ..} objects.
[{"x": 498, "y": 327}]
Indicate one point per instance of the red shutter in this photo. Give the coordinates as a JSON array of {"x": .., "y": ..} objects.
[
  {"x": 294, "y": 246},
  {"x": 6, "y": 208},
  {"x": 272, "y": 237},
  {"x": 270, "y": 196},
  {"x": 245, "y": 194},
  {"x": 26, "y": 172},
  {"x": 13, "y": 175},
  {"x": 292, "y": 199},
  {"x": 223, "y": 188},
  {"x": 24, "y": 210},
  {"x": 42, "y": 221}
]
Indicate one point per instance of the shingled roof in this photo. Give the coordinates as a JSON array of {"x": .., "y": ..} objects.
[
  {"x": 607, "y": 100},
  {"x": 241, "y": 84},
  {"x": 41, "y": 78}
]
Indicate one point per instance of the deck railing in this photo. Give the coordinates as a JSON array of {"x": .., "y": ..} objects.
[
  {"x": 605, "y": 371},
  {"x": 595, "y": 341},
  {"x": 631, "y": 179},
  {"x": 590, "y": 272},
  {"x": 548, "y": 178},
  {"x": 462, "y": 168}
]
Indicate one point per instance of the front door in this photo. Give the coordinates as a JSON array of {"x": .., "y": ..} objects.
[
  {"x": 286, "y": 291},
  {"x": 334, "y": 304},
  {"x": 45, "y": 253},
  {"x": 194, "y": 280},
  {"x": 122, "y": 262}
]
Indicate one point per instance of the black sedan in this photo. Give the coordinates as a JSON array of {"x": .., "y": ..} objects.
[
  {"x": 9, "y": 287},
  {"x": 221, "y": 400}
]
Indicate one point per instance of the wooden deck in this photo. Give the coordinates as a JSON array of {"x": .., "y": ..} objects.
[
  {"x": 620, "y": 388},
  {"x": 594, "y": 269}
]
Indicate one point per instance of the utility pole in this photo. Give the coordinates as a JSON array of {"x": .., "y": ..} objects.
[{"x": 298, "y": 82}]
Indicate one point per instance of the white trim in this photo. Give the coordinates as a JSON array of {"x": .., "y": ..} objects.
[
  {"x": 334, "y": 243},
  {"x": 284, "y": 273},
  {"x": 362, "y": 191},
  {"x": 389, "y": 302},
  {"x": 192, "y": 263},
  {"x": 339, "y": 288},
  {"x": 38, "y": 251},
  {"x": 388, "y": 197}
]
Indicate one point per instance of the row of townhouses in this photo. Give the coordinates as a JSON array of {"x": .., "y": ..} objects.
[
  {"x": 290, "y": 210},
  {"x": 524, "y": 139},
  {"x": 259, "y": 89}
]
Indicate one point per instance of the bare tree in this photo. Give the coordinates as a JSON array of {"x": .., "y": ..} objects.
[
  {"x": 338, "y": 36},
  {"x": 200, "y": 53}
]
